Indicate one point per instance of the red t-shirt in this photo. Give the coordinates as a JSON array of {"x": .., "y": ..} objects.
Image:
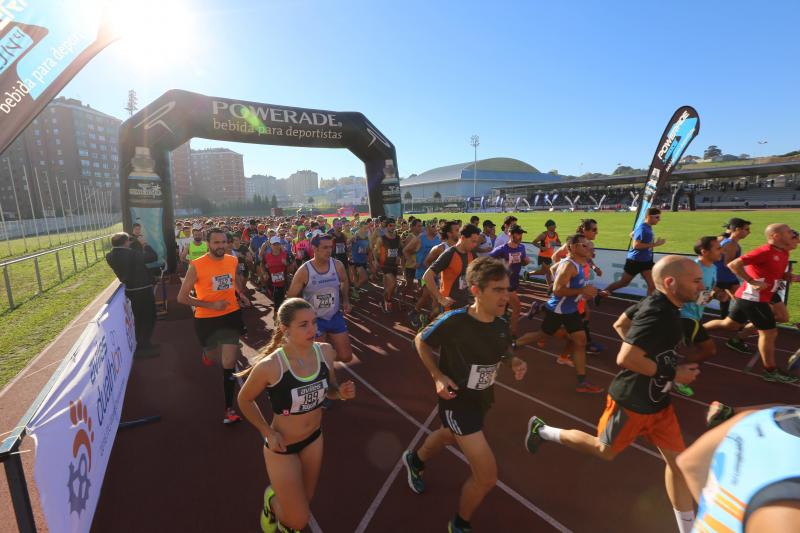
[
  {"x": 276, "y": 264},
  {"x": 765, "y": 263}
]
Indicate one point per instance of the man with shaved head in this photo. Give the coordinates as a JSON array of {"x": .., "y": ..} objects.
[
  {"x": 638, "y": 401},
  {"x": 763, "y": 271}
]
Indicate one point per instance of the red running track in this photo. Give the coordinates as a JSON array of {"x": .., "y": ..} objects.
[{"x": 191, "y": 473}]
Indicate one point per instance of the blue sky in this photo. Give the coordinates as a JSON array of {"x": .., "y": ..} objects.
[{"x": 572, "y": 86}]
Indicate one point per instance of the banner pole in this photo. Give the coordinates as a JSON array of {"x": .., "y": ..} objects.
[
  {"x": 20, "y": 225},
  {"x": 41, "y": 202},
  {"x": 33, "y": 211},
  {"x": 18, "y": 487}
]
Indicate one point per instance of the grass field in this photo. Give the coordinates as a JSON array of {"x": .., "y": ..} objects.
[
  {"x": 14, "y": 248},
  {"x": 34, "y": 324},
  {"x": 680, "y": 229}
]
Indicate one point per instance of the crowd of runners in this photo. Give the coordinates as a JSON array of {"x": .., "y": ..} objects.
[{"x": 456, "y": 282}]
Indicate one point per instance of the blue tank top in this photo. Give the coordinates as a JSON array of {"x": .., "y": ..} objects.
[
  {"x": 724, "y": 274},
  {"x": 565, "y": 305},
  {"x": 425, "y": 247},
  {"x": 756, "y": 464},
  {"x": 360, "y": 249}
]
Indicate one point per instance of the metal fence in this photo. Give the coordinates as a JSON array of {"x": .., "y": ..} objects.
[{"x": 27, "y": 277}]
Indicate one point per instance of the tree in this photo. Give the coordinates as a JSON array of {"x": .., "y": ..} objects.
[
  {"x": 437, "y": 196},
  {"x": 310, "y": 200},
  {"x": 274, "y": 203},
  {"x": 623, "y": 170},
  {"x": 407, "y": 196},
  {"x": 712, "y": 151},
  {"x": 744, "y": 156},
  {"x": 553, "y": 171}
]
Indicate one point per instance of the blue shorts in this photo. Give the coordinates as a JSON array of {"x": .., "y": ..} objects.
[{"x": 335, "y": 324}]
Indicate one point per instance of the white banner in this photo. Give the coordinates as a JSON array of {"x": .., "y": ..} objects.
[{"x": 75, "y": 427}]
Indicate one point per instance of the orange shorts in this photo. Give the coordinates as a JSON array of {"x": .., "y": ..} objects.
[{"x": 619, "y": 427}]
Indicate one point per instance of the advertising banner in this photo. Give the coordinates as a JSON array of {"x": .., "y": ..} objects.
[
  {"x": 681, "y": 129},
  {"x": 75, "y": 427},
  {"x": 42, "y": 46}
]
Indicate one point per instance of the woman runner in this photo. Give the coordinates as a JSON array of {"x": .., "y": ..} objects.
[{"x": 297, "y": 374}]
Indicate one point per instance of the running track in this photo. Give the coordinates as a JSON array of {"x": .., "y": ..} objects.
[{"x": 190, "y": 473}]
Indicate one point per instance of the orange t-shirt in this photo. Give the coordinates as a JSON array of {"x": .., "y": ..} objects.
[{"x": 216, "y": 280}]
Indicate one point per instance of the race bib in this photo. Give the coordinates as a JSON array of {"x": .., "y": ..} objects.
[
  {"x": 362, "y": 249},
  {"x": 340, "y": 248},
  {"x": 481, "y": 376},
  {"x": 323, "y": 300},
  {"x": 391, "y": 253},
  {"x": 751, "y": 293},
  {"x": 462, "y": 283},
  {"x": 223, "y": 282},
  {"x": 308, "y": 397},
  {"x": 277, "y": 277},
  {"x": 705, "y": 297},
  {"x": 514, "y": 258},
  {"x": 555, "y": 245},
  {"x": 301, "y": 253}
]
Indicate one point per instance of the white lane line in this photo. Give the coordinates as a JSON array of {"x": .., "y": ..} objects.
[
  {"x": 373, "y": 507},
  {"x": 505, "y": 488},
  {"x": 313, "y": 525}
]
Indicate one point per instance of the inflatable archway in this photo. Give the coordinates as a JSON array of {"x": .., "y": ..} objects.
[{"x": 148, "y": 137}]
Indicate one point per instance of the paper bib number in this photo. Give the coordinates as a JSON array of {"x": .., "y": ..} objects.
[
  {"x": 340, "y": 249},
  {"x": 323, "y": 300},
  {"x": 308, "y": 397},
  {"x": 391, "y": 252},
  {"x": 222, "y": 282},
  {"x": 277, "y": 277},
  {"x": 481, "y": 376}
]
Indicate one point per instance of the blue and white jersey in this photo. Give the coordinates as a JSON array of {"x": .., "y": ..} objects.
[
  {"x": 755, "y": 465},
  {"x": 565, "y": 305},
  {"x": 322, "y": 290}
]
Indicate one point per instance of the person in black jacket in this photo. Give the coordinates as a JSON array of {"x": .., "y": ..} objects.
[{"x": 129, "y": 265}]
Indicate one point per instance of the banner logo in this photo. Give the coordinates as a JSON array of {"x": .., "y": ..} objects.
[
  {"x": 154, "y": 119},
  {"x": 78, "y": 482}
]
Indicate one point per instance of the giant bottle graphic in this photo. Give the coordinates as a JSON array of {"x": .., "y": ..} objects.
[
  {"x": 147, "y": 202},
  {"x": 390, "y": 191}
]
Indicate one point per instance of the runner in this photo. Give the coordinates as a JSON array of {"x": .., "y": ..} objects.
[
  {"x": 452, "y": 264},
  {"x": 409, "y": 260},
  {"x": 548, "y": 242},
  {"x": 322, "y": 281},
  {"x": 472, "y": 341},
  {"x": 359, "y": 251},
  {"x": 638, "y": 402},
  {"x": 764, "y": 272},
  {"x": 487, "y": 239},
  {"x": 513, "y": 253},
  {"x": 217, "y": 315},
  {"x": 302, "y": 249},
  {"x": 561, "y": 309},
  {"x": 276, "y": 262},
  {"x": 419, "y": 247},
  {"x": 197, "y": 247},
  {"x": 387, "y": 256},
  {"x": 640, "y": 256},
  {"x": 754, "y": 492},
  {"x": 293, "y": 440},
  {"x": 736, "y": 230},
  {"x": 504, "y": 237}
]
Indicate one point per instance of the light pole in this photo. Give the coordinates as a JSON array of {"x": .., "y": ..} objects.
[{"x": 475, "y": 141}]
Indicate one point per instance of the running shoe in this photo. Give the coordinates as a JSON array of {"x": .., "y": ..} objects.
[
  {"x": 682, "y": 389},
  {"x": 269, "y": 524},
  {"x": 717, "y": 413},
  {"x": 532, "y": 438},
  {"x": 536, "y": 306},
  {"x": 794, "y": 361},
  {"x": 453, "y": 528},
  {"x": 413, "y": 319},
  {"x": 231, "y": 417},
  {"x": 205, "y": 360},
  {"x": 585, "y": 387},
  {"x": 565, "y": 359},
  {"x": 594, "y": 348},
  {"x": 737, "y": 344},
  {"x": 776, "y": 376},
  {"x": 414, "y": 474}
]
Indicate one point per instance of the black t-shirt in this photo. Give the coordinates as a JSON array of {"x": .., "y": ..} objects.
[
  {"x": 339, "y": 245},
  {"x": 469, "y": 354},
  {"x": 241, "y": 253},
  {"x": 657, "y": 330}
]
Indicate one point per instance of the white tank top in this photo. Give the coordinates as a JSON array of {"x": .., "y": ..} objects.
[{"x": 322, "y": 290}]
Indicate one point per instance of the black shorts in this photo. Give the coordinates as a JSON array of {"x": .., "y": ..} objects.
[
  {"x": 693, "y": 331},
  {"x": 637, "y": 267},
  {"x": 462, "y": 421},
  {"x": 728, "y": 285},
  {"x": 759, "y": 313},
  {"x": 544, "y": 260},
  {"x": 552, "y": 322},
  {"x": 360, "y": 265},
  {"x": 343, "y": 259},
  {"x": 297, "y": 447},
  {"x": 278, "y": 295},
  {"x": 389, "y": 269},
  {"x": 409, "y": 274},
  {"x": 218, "y": 330}
]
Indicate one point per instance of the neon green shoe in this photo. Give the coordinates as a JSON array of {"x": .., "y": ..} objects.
[{"x": 269, "y": 524}]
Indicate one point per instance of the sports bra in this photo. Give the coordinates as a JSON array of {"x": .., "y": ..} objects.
[{"x": 295, "y": 395}]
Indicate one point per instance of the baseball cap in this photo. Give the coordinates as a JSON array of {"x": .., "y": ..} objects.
[
  {"x": 275, "y": 240},
  {"x": 736, "y": 222},
  {"x": 516, "y": 228},
  {"x": 489, "y": 224},
  {"x": 550, "y": 222}
]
